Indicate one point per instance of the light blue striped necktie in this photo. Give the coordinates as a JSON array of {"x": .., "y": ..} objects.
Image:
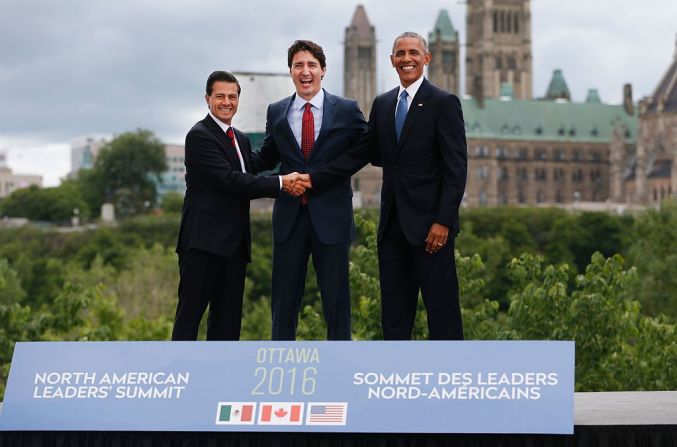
[{"x": 401, "y": 114}]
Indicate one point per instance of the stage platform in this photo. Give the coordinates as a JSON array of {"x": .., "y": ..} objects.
[{"x": 601, "y": 419}]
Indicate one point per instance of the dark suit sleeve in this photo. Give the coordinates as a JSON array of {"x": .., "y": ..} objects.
[
  {"x": 353, "y": 159},
  {"x": 204, "y": 158},
  {"x": 268, "y": 156},
  {"x": 454, "y": 157}
]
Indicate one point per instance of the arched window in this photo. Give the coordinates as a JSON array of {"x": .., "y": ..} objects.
[
  {"x": 495, "y": 21},
  {"x": 502, "y": 21},
  {"x": 517, "y": 26},
  {"x": 508, "y": 22}
]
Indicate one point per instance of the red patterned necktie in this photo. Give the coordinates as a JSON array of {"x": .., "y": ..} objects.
[
  {"x": 307, "y": 138},
  {"x": 231, "y": 135}
]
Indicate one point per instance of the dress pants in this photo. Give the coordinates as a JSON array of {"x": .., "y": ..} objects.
[
  {"x": 206, "y": 278},
  {"x": 404, "y": 269},
  {"x": 290, "y": 265}
]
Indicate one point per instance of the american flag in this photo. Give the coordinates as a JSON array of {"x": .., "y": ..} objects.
[{"x": 329, "y": 413}]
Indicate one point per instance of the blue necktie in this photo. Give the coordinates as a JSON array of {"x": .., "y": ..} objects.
[{"x": 401, "y": 113}]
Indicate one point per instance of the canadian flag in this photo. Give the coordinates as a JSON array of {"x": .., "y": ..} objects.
[{"x": 281, "y": 413}]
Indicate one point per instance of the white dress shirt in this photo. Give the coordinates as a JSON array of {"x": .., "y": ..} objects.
[
  {"x": 295, "y": 115},
  {"x": 411, "y": 91}
]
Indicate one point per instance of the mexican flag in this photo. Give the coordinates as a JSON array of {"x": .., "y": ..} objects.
[{"x": 235, "y": 413}]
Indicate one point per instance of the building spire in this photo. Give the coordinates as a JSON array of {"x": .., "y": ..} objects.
[
  {"x": 360, "y": 23},
  {"x": 558, "y": 89},
  {"x": 359, "y": 60},
  {"x": 444, "y": 28}
]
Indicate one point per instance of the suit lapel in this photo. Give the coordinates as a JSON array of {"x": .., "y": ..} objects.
[
  {"x": 225, "y": 144},
  {"x": 282, "y": 125},
  {"x": 328, "y": 115},
  {"x": 418, "y": 103},
  {"x": 389, "y": 116}
]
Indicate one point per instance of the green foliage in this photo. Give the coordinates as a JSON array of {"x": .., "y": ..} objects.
[
  {"x": 364, "y": 285},
  {"x": 172, "y": 202},
  {"x": 125, "y": 172},
  {"x": 148, "y": 285},
  {"x": 256, "y": 319},
  {"x": 576, "y": 237},
  {"x": 616, "y": 348},
  {"x": 654, "y": 251},
  {"x": 58, "y": 204},
  {"x": 10, "y": 285},
  {"x": 523, "y": 274}
]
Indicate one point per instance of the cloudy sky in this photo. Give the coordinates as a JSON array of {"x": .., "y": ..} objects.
[{"x": 75, "y": 67}]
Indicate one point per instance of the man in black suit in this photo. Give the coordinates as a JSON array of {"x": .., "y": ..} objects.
[
  {"x": 309, "y": 129},
  {"x": 214, "y": 243},
  {"x": 416, "y": 133}
]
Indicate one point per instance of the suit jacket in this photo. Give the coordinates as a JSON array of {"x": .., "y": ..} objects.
[
  {"x": 424, "y": 174},
  {"x": 215, "y": 215},
  {"x": 331, "y": 210}
]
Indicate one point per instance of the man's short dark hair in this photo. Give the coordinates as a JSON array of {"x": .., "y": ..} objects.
[
  {"x": 311, "y": 47},
  {"x": 221, "y": 76},
  {"x": 411, "y": 35}
]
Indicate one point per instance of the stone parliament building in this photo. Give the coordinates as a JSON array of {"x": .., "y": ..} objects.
[{"x": 524, "y": 150}]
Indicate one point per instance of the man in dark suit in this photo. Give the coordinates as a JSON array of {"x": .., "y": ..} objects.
[
  {"x": 214, "y": 243},
  {"x": 416, "y": 132},
  {"x": 309, "y": 129}
]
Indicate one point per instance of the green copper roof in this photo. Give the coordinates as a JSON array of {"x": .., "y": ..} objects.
[
  {"x": 593, "y": 96},
  {"x": 536, "y": 120},
  {"x": 557, "y": 89},
  {"x": 445, "y": 28}
]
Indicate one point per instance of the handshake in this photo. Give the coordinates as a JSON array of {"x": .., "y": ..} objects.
[{"x": 295, "y": 184}]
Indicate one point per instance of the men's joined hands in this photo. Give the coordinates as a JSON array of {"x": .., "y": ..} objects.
[{"x": 296, "y": 184}]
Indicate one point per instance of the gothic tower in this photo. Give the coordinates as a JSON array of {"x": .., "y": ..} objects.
[
  {"x": 359, "y": 62},
  {"x": 443, "y": 70},
  {"x": 498, "y": 47}
]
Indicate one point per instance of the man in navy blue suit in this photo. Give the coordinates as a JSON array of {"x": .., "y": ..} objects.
[
  {"x": 308, "y": 130},
  {"x": 416, "y": 133}
]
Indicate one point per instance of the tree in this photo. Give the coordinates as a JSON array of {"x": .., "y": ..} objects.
[
  {"x": 10, "y": 284},
  {"x": 617, "y": 349},
  {"x": 654, "y": 252},
  {"x": 46, "y": 204},
  {"x": 125, "y": 173},
  {"x": 172, "y": 202}
]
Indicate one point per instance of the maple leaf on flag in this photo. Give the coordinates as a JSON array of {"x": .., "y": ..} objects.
[{"x": 280, "y": 412}]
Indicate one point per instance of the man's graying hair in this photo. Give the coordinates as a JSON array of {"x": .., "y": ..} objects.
[{"x": 412, "y": 35}]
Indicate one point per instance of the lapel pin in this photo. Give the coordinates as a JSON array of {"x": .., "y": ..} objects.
[{"x": 420, "y": 105}]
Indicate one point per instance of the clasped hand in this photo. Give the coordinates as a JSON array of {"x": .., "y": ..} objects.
[{"x": 295, "y": 184}]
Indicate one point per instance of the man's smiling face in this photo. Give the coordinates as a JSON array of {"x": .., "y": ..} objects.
[
  {"x": 307, "y": 73},
  {"x": 409, "y": 58},
  {"x": 223, "y": 100}
]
